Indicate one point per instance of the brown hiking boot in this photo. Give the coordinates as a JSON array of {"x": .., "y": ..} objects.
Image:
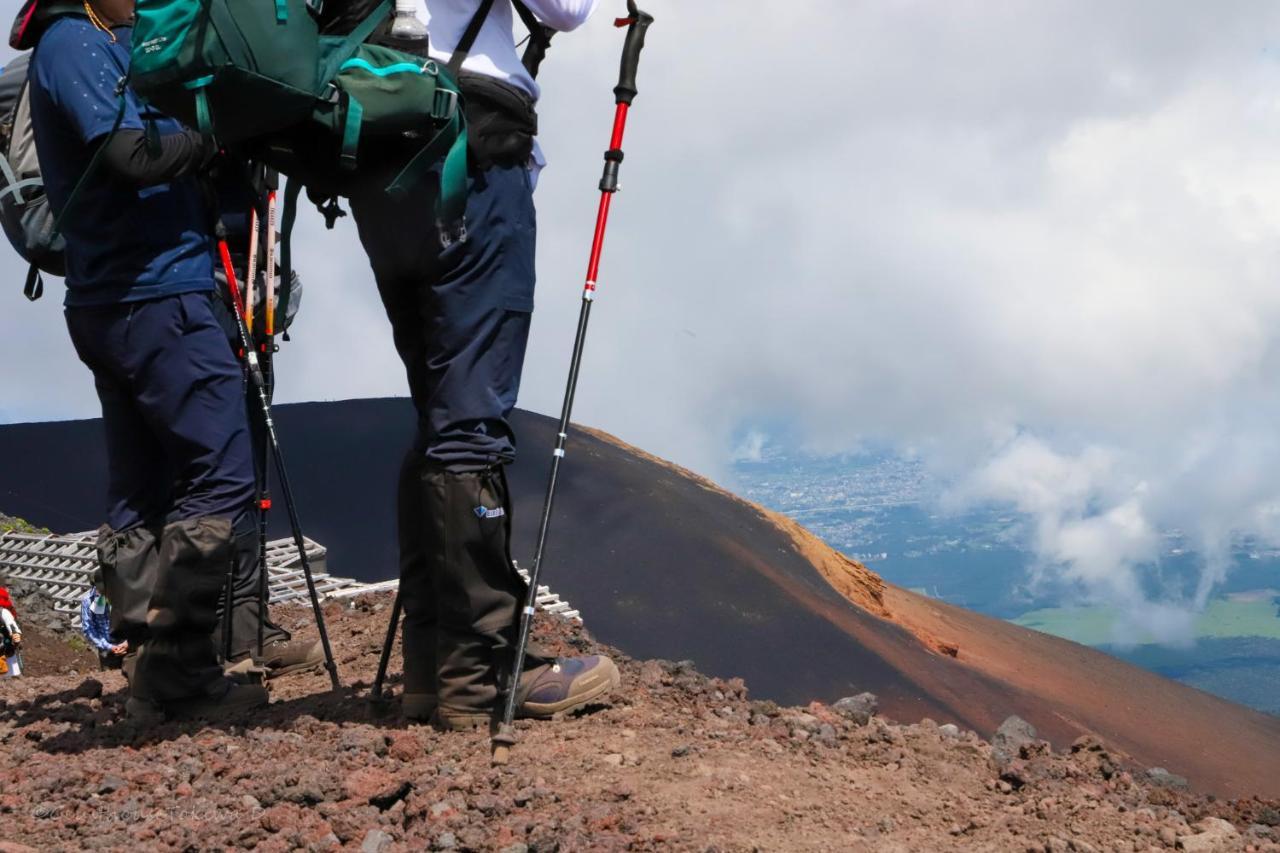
[
  {"x": 286, "y": 657},
  {"x": 563, "y": 685},
  {"x": 566, "y": 685}
]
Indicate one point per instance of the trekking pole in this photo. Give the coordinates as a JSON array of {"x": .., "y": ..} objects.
[
  {"x": 228, "y": 591},
  {"x": 259, "y": 446},
  {"x": 378, "y": 697},
  {"x": 637, "y": 25},
  {"x": 268, "y": 374},
  {"x": 259, "y": 384}
]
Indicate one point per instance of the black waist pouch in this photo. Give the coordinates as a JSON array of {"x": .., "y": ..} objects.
[{"x": 501, "y": 121}]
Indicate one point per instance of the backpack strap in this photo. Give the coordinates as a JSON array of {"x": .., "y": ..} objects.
[
  {"x": 292, "y": 189},
  {"x": 351, "y": 131},
  {"x": 469, "y": 37},
  {"x": 451, "y": 144},
  {"x": 13, "y": 185},
  {"x": 34, "y": 287}
]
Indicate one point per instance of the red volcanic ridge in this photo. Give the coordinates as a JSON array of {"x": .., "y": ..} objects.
[{"x": 690, "y": 570}]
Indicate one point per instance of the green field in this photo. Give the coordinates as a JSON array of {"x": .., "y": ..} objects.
[{"x": 1245, "y": 615}]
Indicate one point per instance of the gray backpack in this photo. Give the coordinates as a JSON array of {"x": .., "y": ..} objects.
[{"x": 24, "y": 208}]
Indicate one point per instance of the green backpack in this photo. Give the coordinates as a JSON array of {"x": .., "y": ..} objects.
[{"x": 243, "y": 71}]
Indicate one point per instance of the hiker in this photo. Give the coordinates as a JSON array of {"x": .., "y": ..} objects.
[
  {"x": 95, "y": 624},
  {"x": 460, "y": 303},
  {"x": 10, "y": 637},
  {"x": 139, "y": 284}
]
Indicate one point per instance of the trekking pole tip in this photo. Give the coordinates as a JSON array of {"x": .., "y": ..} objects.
[{"x": 503, "y": 739}]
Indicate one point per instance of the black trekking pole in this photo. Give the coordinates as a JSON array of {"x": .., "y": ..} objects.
[
  {"x": 378, "y": 698},
  {"x": 259, "y": 384},
  {"x": 637, "y": 24}
]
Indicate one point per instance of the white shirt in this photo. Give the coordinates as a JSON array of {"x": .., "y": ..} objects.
[{"x": 494, "y": 52}]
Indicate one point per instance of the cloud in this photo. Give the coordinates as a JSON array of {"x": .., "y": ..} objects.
[{"x": 1036, "y": 242}]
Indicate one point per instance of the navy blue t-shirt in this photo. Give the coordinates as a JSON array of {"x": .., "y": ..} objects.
[{"x": 124, "y": 244}]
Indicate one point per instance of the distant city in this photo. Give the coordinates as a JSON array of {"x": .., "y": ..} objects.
[{"x": 884, "y": 510}]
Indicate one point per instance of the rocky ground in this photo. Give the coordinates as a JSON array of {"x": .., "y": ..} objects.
[
  {"x": 677, "y": 761},
  {"x": 50, "y": 644}
]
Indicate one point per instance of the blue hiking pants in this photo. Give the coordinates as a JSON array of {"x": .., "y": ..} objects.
[
  {"x": 173, "y": 407},
  {"x": 459, "y": 314}
]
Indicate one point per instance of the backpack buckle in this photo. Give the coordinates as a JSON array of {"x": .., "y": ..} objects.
[{"x": 445, "y": 105}]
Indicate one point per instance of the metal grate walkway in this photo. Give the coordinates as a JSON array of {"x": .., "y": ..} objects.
[{"x": 63, "y": 566}]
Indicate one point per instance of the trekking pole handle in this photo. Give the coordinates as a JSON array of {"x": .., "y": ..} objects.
[{"x": 637, "y": 26}]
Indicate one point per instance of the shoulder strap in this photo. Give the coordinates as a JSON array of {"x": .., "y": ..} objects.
[
  {"x": 34, "y": 287},
  {"x": 539, "y": 38},
  {"x": 469, "y": 37}
]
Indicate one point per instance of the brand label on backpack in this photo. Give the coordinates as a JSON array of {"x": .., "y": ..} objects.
[
  {"x": 154, "y": 45},
  {"x": 481, "y": 512}
]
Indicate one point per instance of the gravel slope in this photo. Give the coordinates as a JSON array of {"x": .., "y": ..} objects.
[{"x": 676, "y": 761}]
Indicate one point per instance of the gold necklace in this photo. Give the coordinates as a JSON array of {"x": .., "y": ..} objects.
[{"x": 97, "y": 22}]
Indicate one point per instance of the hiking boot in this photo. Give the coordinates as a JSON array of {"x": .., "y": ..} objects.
[
  {"x": 245, "y": 671},
  {"x": 225, "y": 700},
  {"x": 285, "y": 657},
  {"x": 566, "y": 685},
  {"x": 547, "y": 689},
  {"x": 143, "y": 712}
]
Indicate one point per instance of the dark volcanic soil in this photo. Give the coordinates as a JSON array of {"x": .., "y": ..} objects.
[{"x": 676, "y": 761}]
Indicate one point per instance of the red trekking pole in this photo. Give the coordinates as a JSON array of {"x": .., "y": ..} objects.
[{"x": 637, "y": 25}]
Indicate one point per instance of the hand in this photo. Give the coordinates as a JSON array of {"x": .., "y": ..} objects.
[{"x": 121, "y": 648}]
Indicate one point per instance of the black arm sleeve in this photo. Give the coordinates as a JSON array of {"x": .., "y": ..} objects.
[{"x": 180, "y": 154}]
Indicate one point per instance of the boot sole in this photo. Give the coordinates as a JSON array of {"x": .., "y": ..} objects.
[
  {"x": 306, "y": 666},
  {"x": 461, "y": 722},
  {"x": 609, "y": 681}
]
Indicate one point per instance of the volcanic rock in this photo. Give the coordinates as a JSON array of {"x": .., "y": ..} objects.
[
  {"x": 1163, "y": 778},
  {"x": 860, "y": 708},
  {"x": 1009, "y": 740},
  {"x": 1213, "y": 834}
]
